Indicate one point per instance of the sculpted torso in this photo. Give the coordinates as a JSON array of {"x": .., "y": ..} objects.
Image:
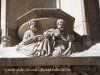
[{"x": 53, "y": 42}]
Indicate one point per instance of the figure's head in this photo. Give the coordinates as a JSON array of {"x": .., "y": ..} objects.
[
  {"x": 61, "y": 24},
  {"x": 33, "y": 25}
]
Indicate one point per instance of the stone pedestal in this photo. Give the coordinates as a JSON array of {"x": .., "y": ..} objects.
[{"x": 5, "y": 41}]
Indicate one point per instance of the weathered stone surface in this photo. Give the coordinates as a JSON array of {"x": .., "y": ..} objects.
[
  {"x": 75, "y": 61},
  {"x": 43, "y": 24},
  {"x": 6, "y": 41},
  {"x": 55, "y": 41},
  {"x": 22, "y": 7},
  {"x": 28, "y": 70},
  {"x": 45, "y": 14},
  {"x": 49, "y": 61},
  {"x": 93, "y": 14},
  {"x": 16, "y": 8}
]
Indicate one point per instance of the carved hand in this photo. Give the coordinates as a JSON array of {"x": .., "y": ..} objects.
[
  {"x": 40, "y": 38},
  {"x": 57, "y": 35},
  {"x": 47, "y": 35}
]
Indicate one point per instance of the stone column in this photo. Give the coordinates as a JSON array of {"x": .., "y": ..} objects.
[
  {"x": 86, "y": 38},
  {"x": 58, "y": 4},
  {"x": 3, "y": 17},
  {"x": 99, "y": 4},
  {"x": 5, "y": 39},
  {"x": 83, "y": 17}
]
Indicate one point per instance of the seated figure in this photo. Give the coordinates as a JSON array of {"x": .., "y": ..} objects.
[
  {"x": 33, "y": 43},
  {"x": 61, "y": 42},
  {"x": 53, "y": 42}
]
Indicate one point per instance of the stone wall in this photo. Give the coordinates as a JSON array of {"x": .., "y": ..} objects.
[
  {"x": 92, "y": 15},
  {"x": 93, "y": 19},
  {"x": 16, "y": 8},
  {"x": 74, "y": 8}
]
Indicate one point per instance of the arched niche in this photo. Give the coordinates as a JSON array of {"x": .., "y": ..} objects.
[
  {"x": 46, "y": 18},
  {"x": 43, "y": 25}
]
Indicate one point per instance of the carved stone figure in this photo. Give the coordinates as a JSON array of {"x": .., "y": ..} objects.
[
  {"x": 61, "y": 41},
  {"x": 53, "y": 42},
  {"x": 33, "y": 43}
]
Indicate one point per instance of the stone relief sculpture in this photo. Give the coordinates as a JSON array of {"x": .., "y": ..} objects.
[
  {"x": 53, "y": 42},
  {"x": 61, "y": 41},
  {"x": 33, "y": 43}
]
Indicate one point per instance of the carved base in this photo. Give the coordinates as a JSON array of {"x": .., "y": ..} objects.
[{"x": 51, "y": 70}]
